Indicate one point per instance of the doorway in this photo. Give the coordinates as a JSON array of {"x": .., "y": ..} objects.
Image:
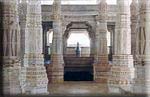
[{"x": 78, "y": 68}]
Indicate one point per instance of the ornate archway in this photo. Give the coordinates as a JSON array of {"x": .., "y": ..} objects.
[
  {"x": 79, "y": 25},
  {"x": 79, "y": 66}
]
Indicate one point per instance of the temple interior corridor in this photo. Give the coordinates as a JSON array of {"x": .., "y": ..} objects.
[{"x": 75, "y": 47}]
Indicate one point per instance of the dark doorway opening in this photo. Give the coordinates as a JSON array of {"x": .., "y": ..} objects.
[{"x": 78, "y": 76}]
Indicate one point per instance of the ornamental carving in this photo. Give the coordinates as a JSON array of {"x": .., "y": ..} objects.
[
  {"x": 103, "y": 10},
  {"x": 56, "y": 9},
  {"x": 133, "y": 8},
  {"x": 103, "y": 6}
]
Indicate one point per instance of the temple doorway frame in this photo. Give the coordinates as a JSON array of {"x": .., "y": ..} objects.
[{"x": 77, "y": 26}]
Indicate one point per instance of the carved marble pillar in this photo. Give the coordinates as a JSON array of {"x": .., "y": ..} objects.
[
  {"x": 142, "y": 79},
  {"x": 11, "y": 47},
  {"x": 56, "y": 68},
  {"x": 22, "y": 19},
  {"x": 147, "y": 49},
  {"x": 122, "y": 70},
  {"x": 34, "y": 70},
  {"x": 134, "y": 25},
  {"x": 101, "y": 67}
]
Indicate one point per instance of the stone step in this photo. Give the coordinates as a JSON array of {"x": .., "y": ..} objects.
[{"x": 78, "y": 60}]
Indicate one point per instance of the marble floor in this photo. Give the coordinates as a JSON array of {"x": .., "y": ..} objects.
[{"x": 79, "y": 88}]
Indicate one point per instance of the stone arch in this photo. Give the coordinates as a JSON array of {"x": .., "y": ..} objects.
[{"x": 79, "y": 25}]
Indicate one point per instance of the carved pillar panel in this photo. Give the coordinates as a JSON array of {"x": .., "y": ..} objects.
[
  {"x": 11, "y": 47},
  {"x": 142, "y": 78},
  {"x": 134, "y": 25},
  {"x": 122, "y": 70},
  {"x": 22, "y": 19},
  {"x": 101, "y": 67},
  {"x": 56, "y": 69},
  {"x": 36, "y": 78},
  {"x": 102, "y": 33}
]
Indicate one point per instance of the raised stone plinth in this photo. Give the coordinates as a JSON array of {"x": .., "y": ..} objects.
[{"x": 101, "y": 73}]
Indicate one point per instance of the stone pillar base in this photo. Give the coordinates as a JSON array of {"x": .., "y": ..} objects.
[
  {"x": 55, "y": 75},
  {"x": 122, "y": 72},
  {"x": 36, "y": 81},
  {"x": 101, "y": 73},
  {"x": 11, "y": 79},
  {"x": 56, "y": 69},
  {"x": 101, "y": 69}
]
